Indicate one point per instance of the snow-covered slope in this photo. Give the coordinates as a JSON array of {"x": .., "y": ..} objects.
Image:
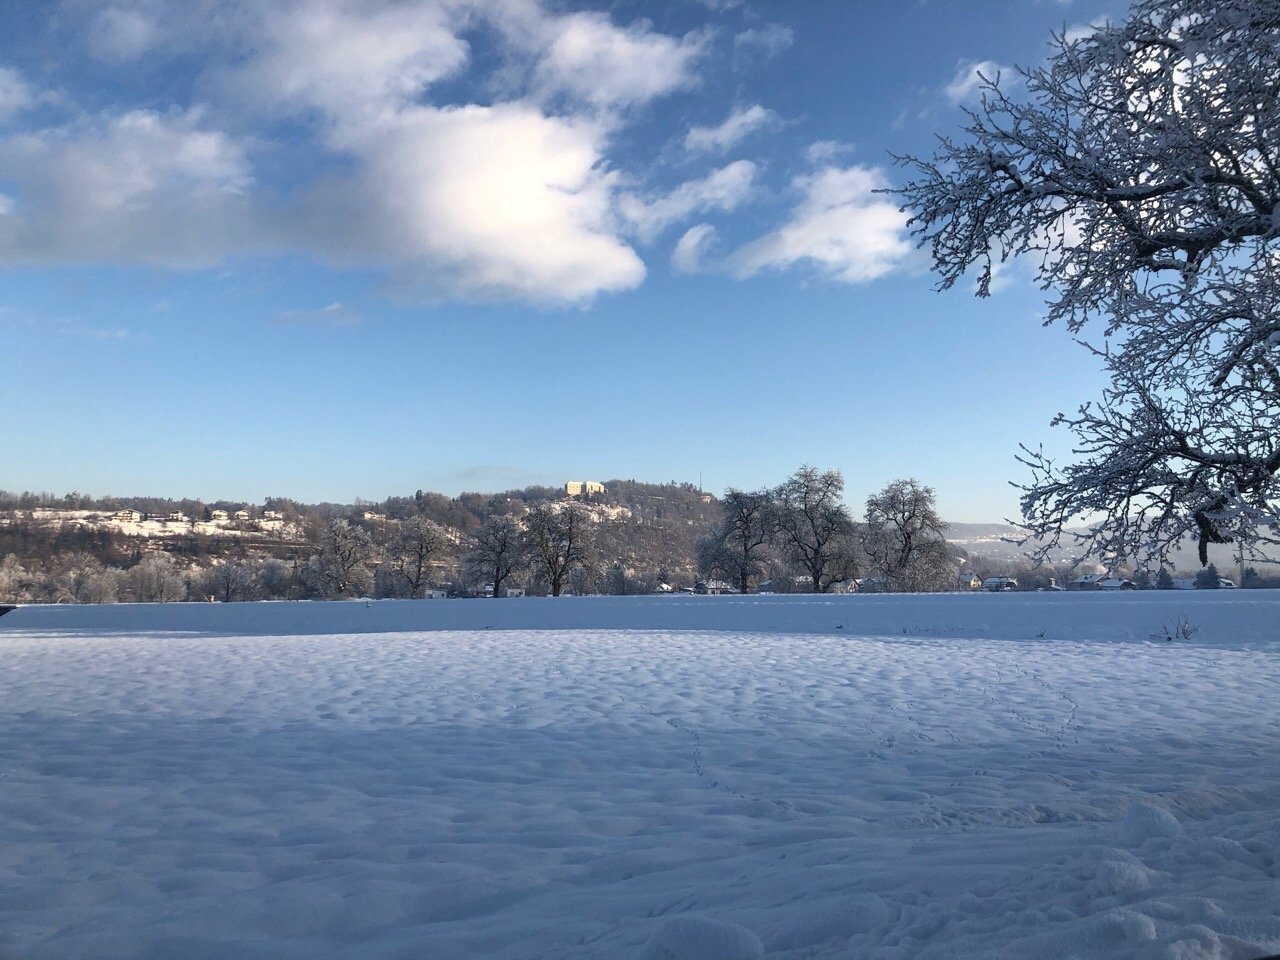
[{"x": 177, "y": 783}]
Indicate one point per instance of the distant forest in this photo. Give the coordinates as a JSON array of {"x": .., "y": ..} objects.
[
  {"x": 642, "y": 535},
  {"x": 632, "y": 538}
]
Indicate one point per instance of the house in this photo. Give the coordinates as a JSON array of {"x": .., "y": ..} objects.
[
  {"x": 242, "y": 515},
  {"x": 127, "y": 516},
  {"x": 272, "y": 515},
  {"x": 1189, "y": 583},
  {"x": 583, "y": 488},
  {"x": 999, "y": 584},
  {"x": 177, "y": 517},
  {"x": 971, "y": 582},
  {"x": 713, "y": 587},
  {"x": 872, "y": 585},
  {"x": 1116, "y": 583},
  {"x": 219, "y": 516},
  {"x": 1089, "y": 581}
]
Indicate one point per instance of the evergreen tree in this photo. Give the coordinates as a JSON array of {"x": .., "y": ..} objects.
[{"x": 1207, "y": 579}]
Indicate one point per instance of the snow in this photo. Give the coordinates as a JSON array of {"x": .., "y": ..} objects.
[
  {"x": 700, "y": 938},
  {"x": 162, "y": 527},
  {"x": 1142, "y": 822},
  {"x": 1028, "y": 776}
]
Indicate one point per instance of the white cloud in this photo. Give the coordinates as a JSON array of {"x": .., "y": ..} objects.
[
  {"x": 841, "y": 225},
  {"x": 968, "y": 79},
  {"x": 500, "y": 201},
  {"x": 139, "y": 155},
  {"x": 723, "y": 189},
  {"x": 726, "y": 135},
  {"x": 770, "y": 39},
  {"x": 332, "y": 315},
  {"x": 692, "y": 247},
  {"x": 15, "y": 93},
  {"x": 137, "y": 186},
  {"x": 515, "y": 198},
  {"x": 1081, "y": 31},
  {"x": 826, "y": 151},
  {"x": 345, "y": 58},
  {"x": 121, "y": 34},
  {"x": 491, "y": 202},
  {"x": 591, "y": 59}
]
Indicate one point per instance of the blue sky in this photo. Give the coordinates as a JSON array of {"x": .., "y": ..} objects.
[{"x": 329, "y": 250}]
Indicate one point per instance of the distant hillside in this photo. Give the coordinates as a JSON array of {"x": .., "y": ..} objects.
[
  {"x": 644, "y": 534},
  {"x": 992, "y": 541},
  {"x": 995, "y": 541}
]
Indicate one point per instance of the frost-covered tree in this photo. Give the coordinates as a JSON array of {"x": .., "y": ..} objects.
[
  {"x": 277, "y": 579},
  {"x": 13, "y": 580},
  {"x": 230, "y": 580},
  {"x": 747, "y": 529},
  {"x": 714, "y": 559},
  {"x": 156, "y": 579},
  {"x": 1138, "y": 169},
  {"x": 497, "y": 552},
  {"x": 557, "y": 537},
  {"x": 342, "y": 566},
  {"x": 815, "y": 527},
  {"x": 415, "y": 546},
  {"x": 905, "y": 538},
  {"x": 1209, "y": 578}
]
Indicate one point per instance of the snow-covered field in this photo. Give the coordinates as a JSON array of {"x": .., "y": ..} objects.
[{"x": 1023, "y": 776}]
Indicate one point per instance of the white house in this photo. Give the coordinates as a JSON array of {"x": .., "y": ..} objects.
[
  {"x": 1116, "y": 583},
  {"x": 1189, "y": 583},
  {"x": 127, "y": 516},
  {"x": 713, "y": 586},
  {"x": 219, "y": 516},
  {"x": 1090, "y": 581},
  {"x": 999, "y": 584}
]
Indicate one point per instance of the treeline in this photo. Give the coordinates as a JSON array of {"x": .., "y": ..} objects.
[
  {"x": 800, "y": 536},
  {"x": 637, "y": 538},
  {"x": 640, "y": 535}
]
